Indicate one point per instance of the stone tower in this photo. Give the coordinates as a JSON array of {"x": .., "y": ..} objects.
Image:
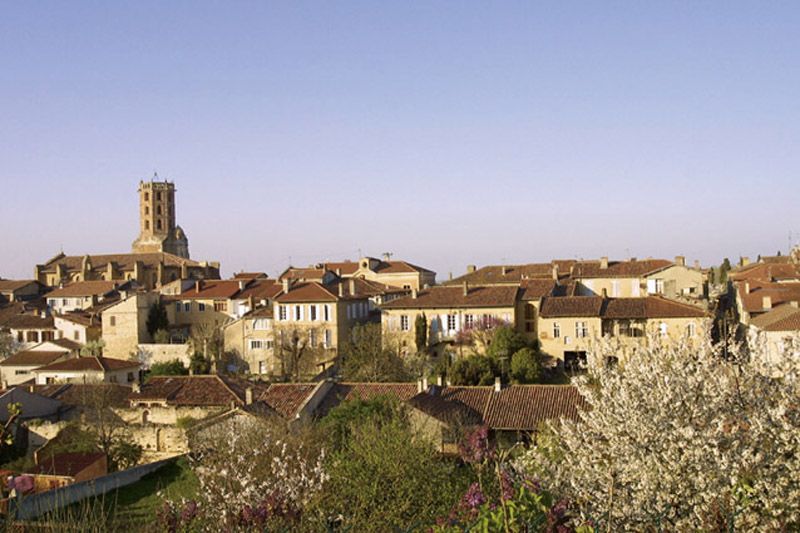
[{"x": 157, "y": 229}]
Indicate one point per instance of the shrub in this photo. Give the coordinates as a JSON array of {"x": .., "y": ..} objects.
[
  {"x": 473, "y": 370},
  {"x": 525, "y": 367},
  {"x": 168, "y": 368}
]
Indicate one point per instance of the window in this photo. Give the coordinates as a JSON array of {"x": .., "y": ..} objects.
[
  {"x": 201, "y": 307},
  {"x": 158, "y": 196},
  {"x": 451, "y": 322},
  {"x": 691, "y": 329},
  {"x": 178, "y": 307},
  {"x": 158, "y": 224},
  {"x": 220, "y": 307},
  {"x": 112, "y": 379},
  {"x": 20, "y": 372},
  {"x": 328, "y": 338},
  {"x": 407, "y": 287},
  {"x": 662, "y": 329},
  {"x": 298, "y": 312},
  {"x": 262, "y": 367},
  {"x": 147, "y": 197},
  {"x": 281, "y": 312},
  {"x": 261, "y": 324},
  {"x": 64, "y": 302},
  {"x": 158, "y": 210},
  {"x": 76, "y": 335},
  {"x": 256, "y": 344},
  {"x": 270, "y": 345},
  {"x": 326, "y": 313},
  {"x": 147, "y": 224},
  {"x": 146, "y": 210},
  {"x": 556, "y": 330},
  {"x": 581, "y": 330},
  {"x": 112, "y": 321},
  {"x": 130, "y": 377},
  {"x": 187, "y": 306},
  {"x": 404, "y": 322},
  {"x": 312, "y": 312},
  {"x": 469, "y": 321}
]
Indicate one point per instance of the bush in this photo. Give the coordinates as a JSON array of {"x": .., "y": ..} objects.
[
  {"x": 473, "y": 370},
  {"x": 338, "y": 423},
  {"x": 169, "y": 368},
  {"x": 161, "y": 337},
  {"x": 199, "y": 364},
  {"x": 525, "y": 367},
  {"x": 506, "y": 341}
]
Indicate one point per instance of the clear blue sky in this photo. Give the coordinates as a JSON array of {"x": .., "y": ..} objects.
[{"x": 447, "y": 133}]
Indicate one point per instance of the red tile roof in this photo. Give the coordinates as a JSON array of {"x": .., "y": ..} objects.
[
  {"x": 211, "y": 289},
  {"x": 619, "y": 269},
  {"x": 454, "y": 297},
  {"x": 779, "y": 293},
  {"x": 569, "y": 306},
  {"x": 12, "y": 285},
  {"x": 28, "y": 321},
  {"x": 261, "y": 289},
  {"x": 124, "y": 262},
  {"x": 212, "y": 390},
  {"x": 783, "y": 318},
  {"x": 86, "y": 394},
  {"x": 287, "y": 398},
  {"x": 399, "y": 267},
  {"x": 503, "y": 274},
  {"x": 84, "y": 288},
  {"x": 307, "y": 292},
  {"x": 535, "y": 289},
  {"x": 88, "y": 364},
  {"x": 526, "y": 407},
  {"x": 651, "y": 307},
  {"x": 67, "y": 464},
  {"x": 342, "y": 268},
  {"x": 32, "y": 358}
]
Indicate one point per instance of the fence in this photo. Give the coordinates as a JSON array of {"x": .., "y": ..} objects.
[{"x": 35, "y": 505}]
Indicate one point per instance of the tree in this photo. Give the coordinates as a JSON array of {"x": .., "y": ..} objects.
[
  {"x": 388, "y": 477},
  {"x": 724, "y": 268},
  {"x": 680, "y": 438},
  {"x": 93, "y": 348},
  {"x": 338, "y": 423},
  {"x": 157, "y": 319},
  {"x": 8, "y": 344},
  {"x": 168, "y": 368},
  {"x": 506, "y": 341},
  {"x": 298, "y": 351},
  {"x": 198, "y": 364},
  {"x": 421, "y": 332},
  {"x": 525, "y": 366},
  {"x": 161, "y": 336},
  {"x": 364, "y": 358},
  {"x": 473, "y": 370}
]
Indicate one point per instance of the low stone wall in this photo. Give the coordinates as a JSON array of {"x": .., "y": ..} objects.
[
  {"x": 29, "y": 507},
  {"x": 162, "y": 353}
]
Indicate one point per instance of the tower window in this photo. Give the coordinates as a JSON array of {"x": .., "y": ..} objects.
[
  {"x": 158, "y": 209},
  {"x": 146, "y": 224},
  {"x": 147, "y": 197},
  {"x": 158, "y": 224},
  {"x": 146, "y": 210}
]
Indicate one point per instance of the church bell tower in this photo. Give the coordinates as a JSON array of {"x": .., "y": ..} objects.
[{"x": 158, "y": 231}]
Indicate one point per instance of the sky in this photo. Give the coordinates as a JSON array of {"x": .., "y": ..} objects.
[{"x": 447, "y": 133}]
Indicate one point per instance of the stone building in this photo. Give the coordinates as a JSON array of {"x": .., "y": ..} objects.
[{"x": 158, "y": 230}]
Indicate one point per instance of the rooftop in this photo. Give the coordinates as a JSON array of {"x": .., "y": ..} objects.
[{"x": 458, "y": 297}]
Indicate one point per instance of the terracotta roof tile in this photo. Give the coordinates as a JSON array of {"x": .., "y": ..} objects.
[
  {"x": 77, "y": 394},
  {"x": 454, "y": 297},
  {"x": 651, "y": 307},
  {"x": 84, "y": 288},
  {"x": 568, "y": 306},
  {"x": 211, "y": 390},
  {"x": 211, "y": 289},
  {"x": 96, "y": 364},
  {"x": 28, "y": 321},
  {"x": 67, "y": 464},
  {"x": 307, "y": 292},
  {"x": 619, "y": 269},
  {"x": 502, "y": 274},
  {"x": 287, "y": 398},
  {"x": 124, "y": 262},
  {"x": 783, "y": 318},
  {"x": 525, "y": 407},
  {"x": 32, "y": 358}
]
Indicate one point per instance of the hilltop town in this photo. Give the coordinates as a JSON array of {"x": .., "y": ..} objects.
[{"x": 148, "y": 351}]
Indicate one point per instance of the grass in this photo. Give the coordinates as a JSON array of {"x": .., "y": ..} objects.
[{"x": 134, "y": 507}]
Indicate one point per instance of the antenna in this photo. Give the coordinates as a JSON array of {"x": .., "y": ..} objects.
[{"x": 387, "y": 256}]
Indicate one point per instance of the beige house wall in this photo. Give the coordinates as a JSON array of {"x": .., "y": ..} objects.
[
  {"x": 194, "y": 315},
  {"x": 123, "y": 377},
  {"x": 237, "y": 337},
  {"x": 568, "y": 339},
  {"x": 678, "y": 281},
  {"x": 125, "y": 325},
  {"x": 612, "y": 287}
]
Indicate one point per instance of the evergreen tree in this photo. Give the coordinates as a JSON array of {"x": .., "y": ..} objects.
[
  {"x": 157, "y": 319},
  {"x": 421, "y": 332}
]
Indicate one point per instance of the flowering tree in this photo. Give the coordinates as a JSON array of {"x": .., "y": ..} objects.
[
  {"x": 252, "y": 474},
  {"x": 680, "y": 438}
]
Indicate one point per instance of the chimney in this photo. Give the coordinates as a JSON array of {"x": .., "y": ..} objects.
[
  {"x": 466, "y": 288},
  {"x": 744, "y": 261},
  {"x": 794, "y": 304},
  {"x": 285, "y": 285},
  {"x": 5, "y": 384},
  {"x": 419, "y": 386},
  {"x": 680, "y": 260},
  {"x": 604, "y": 262},
  {"x": 766, "y": 302},
  {"x": 352, "y": 287},
  {"x": 341, "y": 289},
  {"x": 555, "y": 272},
  {"x": 504, "y": 270},
  {"x": 198, "y": 285},
  {"x": 136, "y": 388},
  {"x": 248, "y": 396},
  {"x": 471, "y": 269},
  {"x": 747, "y": 287},
  {"x": 339, "y": 272},
  {"x": 425, "y": 384},
  {"x": 498, "y": 384},
  {"x": 697, "y": 264},
  {"x": 414, "y": 293},
  {"x": 450, "y": 276},
  {"x": 440, "y": 379},
  {"x": 241, "y": 285}
]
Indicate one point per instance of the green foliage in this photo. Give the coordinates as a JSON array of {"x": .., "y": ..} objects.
[
  {"x": 169, "y": 368},
  {"x": 338, "y": 423},
  {"x": 199, "y": 364},
  {"x": 525, "y": 510},
  {"x": 525, "y": 367},
  {"x": 157, "y": 319},
  {"x": 161, "y": 336},
  {"x": 124, "y": 454},
  {"x": 421, "y": 332},
  {"x": 8, "y": 345},
  {"x": 506, "y": 341},
  {"x": 364, "y": 358},
  {"x": 185, "y": 422},
  {"x": 93, "y": 348},
  {"x": 387, "y": 477},
  {"x": 473, "y": 370}
]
